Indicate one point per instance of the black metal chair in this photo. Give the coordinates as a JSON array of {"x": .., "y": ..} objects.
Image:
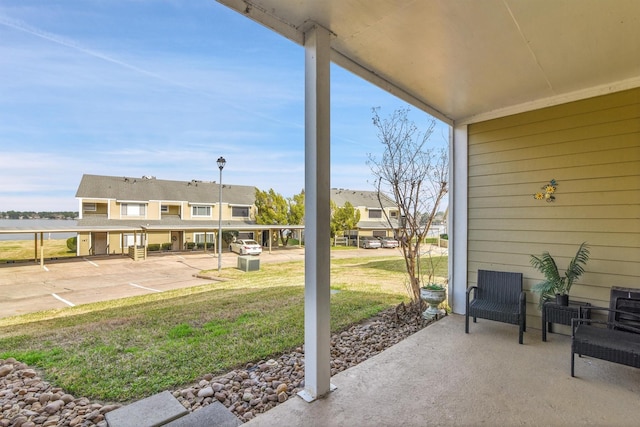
[
  {"x": 498, "y": 296},
  {"x": 615, "y": 340}
]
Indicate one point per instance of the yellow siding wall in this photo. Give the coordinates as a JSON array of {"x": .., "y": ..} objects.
[
  {"x": 158, "y": 237},
  {"x": 114, "y": 210},
  {"x": 115, "y": 243},
  {"x": 173, "y": 210},
  {"x": 592, "y": 149},
  {"x": 153, "y": 210},
  {"x": 83, "y": 244}
]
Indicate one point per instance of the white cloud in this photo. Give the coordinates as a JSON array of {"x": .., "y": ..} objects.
[{"x": 105, "y": 88}]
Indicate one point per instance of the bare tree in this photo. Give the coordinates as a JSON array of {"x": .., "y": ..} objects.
[{"x": 415, "y": 175}]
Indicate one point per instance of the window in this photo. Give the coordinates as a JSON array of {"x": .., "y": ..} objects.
[
  {"x": 375, "y": 213},
  {"x": 201, "y": 211},
  {"x": 89, "y": 207},
  {"x": 164, "y": 208},
  {"x": 393, "y": 214},
  {"x": 379, "y": 234},
  {"x": 240, "y": 211},
  {"x": 132, "y": 209},
  {"x": 128, "y": 240},
  {"x": 199, "y": 237}
]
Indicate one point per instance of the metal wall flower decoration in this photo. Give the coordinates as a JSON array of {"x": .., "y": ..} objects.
[{"x": 548, "y": 192}]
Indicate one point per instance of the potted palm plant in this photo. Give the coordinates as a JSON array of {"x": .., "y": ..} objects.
[{"x": 555, "y": 284}]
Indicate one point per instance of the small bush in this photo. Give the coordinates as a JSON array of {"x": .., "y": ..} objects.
[
  {"x": 72, "y": 243},
  {"x": 444, "y": 236},
  {"x": 167, "y": 246},
  {"x": 191, "y": 245},
  {"x": 152, "y": 247},
  {"x": 209, "y": 245}
]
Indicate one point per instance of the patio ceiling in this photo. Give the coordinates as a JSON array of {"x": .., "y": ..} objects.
[{"x": 464, "y": 60}]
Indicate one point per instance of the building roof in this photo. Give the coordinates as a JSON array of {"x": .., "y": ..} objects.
[
  {"x": 360, "y": 198},
  {"x": 166, "y": 223},
  {"x": 380, "y": 224},
  {"x": 149, "y": 188}
]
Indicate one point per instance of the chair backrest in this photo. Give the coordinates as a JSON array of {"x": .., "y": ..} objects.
[
  {"x": 499, "y": 286},
  {"x": 625, "y": 299}
]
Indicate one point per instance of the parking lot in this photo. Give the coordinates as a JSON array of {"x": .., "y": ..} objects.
[{"x": 28, "y": 287}]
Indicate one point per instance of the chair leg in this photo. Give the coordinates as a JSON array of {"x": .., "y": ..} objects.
[
  {"x": 466, "y": 323},
  {"x": 520, "y": 338},
  {"x": 572, "y": 362}
]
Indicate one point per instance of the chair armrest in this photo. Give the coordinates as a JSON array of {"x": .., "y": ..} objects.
[
  {"x": 580, "y": 320},
  {"x": 469, "y": 289},
  {"x": 523, "y": 298}
]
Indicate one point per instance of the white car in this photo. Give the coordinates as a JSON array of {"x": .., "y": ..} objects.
[
  {"x": 368, "y": 242},
  {"x": 245, "y": 247},
  {"x": 388, "y": 242}
]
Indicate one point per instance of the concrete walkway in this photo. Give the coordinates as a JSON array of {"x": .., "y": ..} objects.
[{"x": 442, "y": 376}]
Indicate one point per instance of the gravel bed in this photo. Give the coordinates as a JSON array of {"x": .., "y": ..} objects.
[{"x": 28, "y": 401}]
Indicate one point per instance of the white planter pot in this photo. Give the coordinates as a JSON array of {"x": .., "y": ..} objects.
[{"x": 433, "y": 298}]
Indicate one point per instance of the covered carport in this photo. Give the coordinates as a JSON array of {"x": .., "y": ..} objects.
[
  {"x": 462, "y": 62},
  {"x": 183, "y": 228},
  {"x": 39, "y": 232}
]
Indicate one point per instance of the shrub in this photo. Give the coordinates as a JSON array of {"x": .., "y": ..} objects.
[
  {"x": 191, "y": 245},
  {"x": 167, "y": 246},
  {"x": 444, "y": 236},
  {"x": 72, "y": 243},
  {"x": 152, "y": 247},
  {"x": 293, "y": 242},
  {"x": 201, "y": 245}
]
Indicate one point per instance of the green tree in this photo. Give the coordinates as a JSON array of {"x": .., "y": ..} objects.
[
  {"x": 345, "y": 218},
  {"x": 296, "y": 209},
  {"x": 274, "y": 209}
]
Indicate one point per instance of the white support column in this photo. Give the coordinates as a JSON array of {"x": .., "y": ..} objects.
[
  {"x": 317, "y": 215},
  {"x": 458, "y": 217}
]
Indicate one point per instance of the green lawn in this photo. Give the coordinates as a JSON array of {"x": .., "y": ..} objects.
[
  {"x": 23, "y": 250},
  {"x": 131, "y": 348}
]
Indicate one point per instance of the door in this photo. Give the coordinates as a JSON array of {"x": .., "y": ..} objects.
[
  {"x": 99, "y": 243},
  {"x": 176, "y": 240}
]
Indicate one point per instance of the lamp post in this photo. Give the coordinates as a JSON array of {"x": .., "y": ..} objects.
[{"x": 221, "y": 162}]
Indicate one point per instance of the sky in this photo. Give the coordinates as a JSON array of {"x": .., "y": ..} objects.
[{"x": 164, "y": 88}]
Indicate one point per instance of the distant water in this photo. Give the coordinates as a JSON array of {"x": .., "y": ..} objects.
[{"x": 36, "y": 223}]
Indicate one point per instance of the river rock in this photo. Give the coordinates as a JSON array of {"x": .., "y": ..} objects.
[{"x": 246, "y": 392}]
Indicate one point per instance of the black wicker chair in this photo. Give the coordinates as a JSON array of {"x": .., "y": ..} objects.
[
  {"x": 615, "y": 340},
  {"x": 498, "y": 296}
]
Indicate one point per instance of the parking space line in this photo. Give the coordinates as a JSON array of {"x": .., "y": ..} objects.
[
  {"x": 59, "y": 298},
  {"x": 91, "y": 262},
  {"x": 144, "y": 287},
  {"x": 45, "y": 268}
]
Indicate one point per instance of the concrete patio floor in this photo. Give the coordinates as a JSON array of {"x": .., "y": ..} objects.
[{"x": 442, "y": 376}]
